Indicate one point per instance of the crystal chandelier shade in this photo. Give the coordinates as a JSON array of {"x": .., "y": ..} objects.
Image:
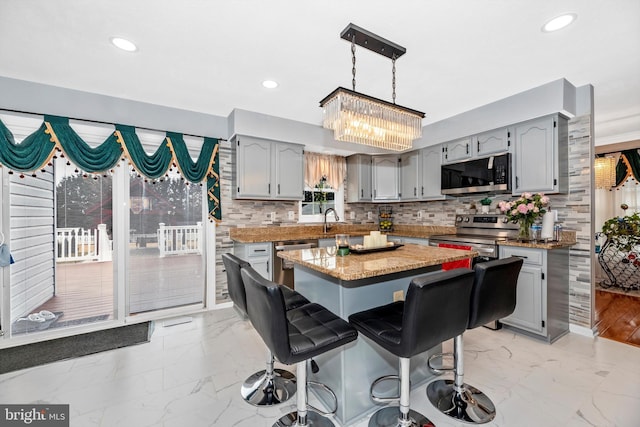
[
  {"x": 605, "y": 172},
  {"x": 358, "y": 118}
]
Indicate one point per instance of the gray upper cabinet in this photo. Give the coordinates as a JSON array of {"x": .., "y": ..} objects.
[
  {"x": 454, "y": 151},
  {"x": 289, "y": 171},
  {"x": 495, "y": 141},
  {"x": 430, "y": 176},
  {"x": 359, "y": 180},
  {"x": 267, "y": 169},
  {"x": 386, "y": 178},
  {"x": 410, "y": 176},
  {"x": 541, "y": 156}
]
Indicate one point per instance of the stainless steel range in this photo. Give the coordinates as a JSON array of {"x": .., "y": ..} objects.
[{"x": 481, "y": 233}]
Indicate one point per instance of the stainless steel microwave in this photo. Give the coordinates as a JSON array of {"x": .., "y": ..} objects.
[{"x": 489, "y": 174}]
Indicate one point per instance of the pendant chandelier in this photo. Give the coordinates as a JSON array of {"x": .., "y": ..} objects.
[
  {"x": 363, "y": 119},
  {"x": 605, "y": 172}
]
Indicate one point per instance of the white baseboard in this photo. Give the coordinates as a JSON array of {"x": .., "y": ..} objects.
[
  {"x": 222, "y": 305},
  {"x": 582, "y": 330}
]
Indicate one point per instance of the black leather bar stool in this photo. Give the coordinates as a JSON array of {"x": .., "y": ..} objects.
[
  {"x": 436, "y": 309},
  {"x": 492, "y": 298},
  {"x": 295, "y": 336},
  {"x": 269, "y": 386}
]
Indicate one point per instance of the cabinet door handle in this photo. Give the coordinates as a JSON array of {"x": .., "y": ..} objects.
[
  {"x": 269, "y": 188},
  {"x": 259, "y": 250},
  {"x": 267, "y": 266},
  {"x": 422, "y": 193},
  {"x": 467, "y": 148},
  {"x": 517, "y": 183},
  {"x": 362, "y": 192},
  {"x": 478, "y": 146},
  {"x": 415, "y": 191},
  {"x": 278, "y": 188}
]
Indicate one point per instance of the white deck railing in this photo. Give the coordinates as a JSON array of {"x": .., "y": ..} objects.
[
  {"x": 180, "y": 239},
  {"x": 78, "y": 244}
]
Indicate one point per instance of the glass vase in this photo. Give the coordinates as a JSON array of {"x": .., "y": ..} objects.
[{"x": 524, "y": 230}]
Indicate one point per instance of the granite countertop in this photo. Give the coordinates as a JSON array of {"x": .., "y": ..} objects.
[
  {"x": 363, "y": 266},
  {"x": 277, "y": 233},
  {"x": 549, "y": 245},
  {"x": 567, "y": 239}
]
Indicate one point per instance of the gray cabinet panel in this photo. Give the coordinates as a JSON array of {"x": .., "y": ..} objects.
[
  {"x": 457, "y": 150},
  {"x": 495, "y": 141},
  {"x": 359, "y": 180},
  {"x": 541, "y": 156},
  {"x": 409, "y": 176},
  {"x": 431, "y": 175},
  {"x": 386, "y": 178},
  {"x": 267, "y": 169}
]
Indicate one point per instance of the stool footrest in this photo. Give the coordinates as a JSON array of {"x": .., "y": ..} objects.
[
  {"x": 379, "y": 399},
  {"x": 443, "y": 369},
  {"x": 328, "y": 390}
]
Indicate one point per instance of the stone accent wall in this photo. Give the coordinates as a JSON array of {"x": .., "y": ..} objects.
[{"x": 574, "y": 213}]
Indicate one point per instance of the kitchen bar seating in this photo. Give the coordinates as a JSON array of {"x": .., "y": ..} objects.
[
  {"x": 436, "y": 309},
  {"x": 295, "y": 336},
  {"x": 269, "y": 386},
  {"x": 493, "y": 297}
]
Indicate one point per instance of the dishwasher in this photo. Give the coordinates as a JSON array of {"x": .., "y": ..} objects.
[{"x": 283, "y": 269}]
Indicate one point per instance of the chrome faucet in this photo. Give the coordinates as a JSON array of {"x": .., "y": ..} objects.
[{"x": 326, "y": 228}]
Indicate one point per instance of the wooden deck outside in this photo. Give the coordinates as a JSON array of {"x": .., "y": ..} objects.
[{"x": 85, "y": 290}]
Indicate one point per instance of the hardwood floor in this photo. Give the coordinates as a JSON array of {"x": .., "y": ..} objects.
[{"x": 617, "y": 317}]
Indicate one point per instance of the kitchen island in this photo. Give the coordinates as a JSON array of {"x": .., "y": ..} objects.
[{"x": 352, "y": 283}]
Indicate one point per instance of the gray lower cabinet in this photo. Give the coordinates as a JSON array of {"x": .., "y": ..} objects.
[
  {"x": 258, "y": 255},
  {"x": 542, "y": 293},
  {"x": 266, "y": 169}
]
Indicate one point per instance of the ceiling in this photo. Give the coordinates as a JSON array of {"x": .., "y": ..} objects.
[{"x": 212, "y": 56}]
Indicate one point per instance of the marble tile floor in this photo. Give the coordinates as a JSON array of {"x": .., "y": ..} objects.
[{"x": 190, "y": 375}]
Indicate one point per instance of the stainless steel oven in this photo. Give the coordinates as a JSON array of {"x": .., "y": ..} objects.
[
  {"x": 481, "y": 233},
  {"x": 283, "y": 269}
]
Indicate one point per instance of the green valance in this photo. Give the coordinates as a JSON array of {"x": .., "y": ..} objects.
[
  {"x": 628, "y": 165},
  {"x": 55, "y": 134}
]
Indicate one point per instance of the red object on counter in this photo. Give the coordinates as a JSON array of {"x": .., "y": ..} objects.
[{"x": 465, "y": 263}]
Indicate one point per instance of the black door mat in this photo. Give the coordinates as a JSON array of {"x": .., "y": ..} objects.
[{"x": 35, "y": 354}]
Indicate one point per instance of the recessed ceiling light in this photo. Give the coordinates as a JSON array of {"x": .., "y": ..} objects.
[
  {"x": 270, "y": 84},
  {"x": 124, "y": 44},
  {"x": 559, "y": 22}
]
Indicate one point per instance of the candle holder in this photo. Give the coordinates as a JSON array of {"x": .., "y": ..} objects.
[{"x": 342, "y": 244}]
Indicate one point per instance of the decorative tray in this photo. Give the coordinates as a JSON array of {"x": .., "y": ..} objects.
[{"x": 360, "y": 251}]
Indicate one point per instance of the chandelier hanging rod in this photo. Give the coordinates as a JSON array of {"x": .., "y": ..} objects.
[{"x": 373, "y": 42}]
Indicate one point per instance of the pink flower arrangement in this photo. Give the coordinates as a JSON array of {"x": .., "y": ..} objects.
[{"x": 526, "y": 209}]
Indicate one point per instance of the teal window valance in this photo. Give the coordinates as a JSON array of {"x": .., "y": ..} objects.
[{"x": 56, "y": 135}]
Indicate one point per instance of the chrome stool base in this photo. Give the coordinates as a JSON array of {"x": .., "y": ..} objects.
[
  {"x": 390, "y": 417},
  {"x": 261, "y": 389},
  {"x": 314, "y": 419},
  {"x": 470, "y": 406}
]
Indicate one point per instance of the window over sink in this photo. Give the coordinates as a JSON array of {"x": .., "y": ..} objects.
[{"x": 317, "y": 200}]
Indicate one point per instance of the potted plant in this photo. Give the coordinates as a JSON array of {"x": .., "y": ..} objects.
[{"x": 486, "y": 203}]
